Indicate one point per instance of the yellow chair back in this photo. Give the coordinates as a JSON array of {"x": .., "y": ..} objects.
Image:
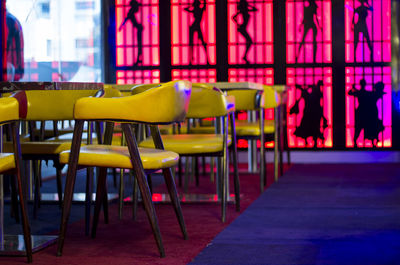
[
  {"x": 206, "y": 101},
  {"x": 8, "y": 109},
  {"x": 50, "y": 104},
  {"x": 165, "y": 103},
  {"x": 245, "y": 99},
  {"x": 269, "y": 98}
]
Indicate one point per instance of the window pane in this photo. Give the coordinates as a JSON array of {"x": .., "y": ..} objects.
[{"x": 61, "y": 40}]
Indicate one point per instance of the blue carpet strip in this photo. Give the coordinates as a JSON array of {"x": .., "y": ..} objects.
[{"x": 317, "y": 214}]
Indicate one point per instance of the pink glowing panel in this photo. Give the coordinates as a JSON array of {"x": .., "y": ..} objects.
[
  {"x": 195, "y": 75},
  {"x": 309, "y": 116},
  {"x": 371, "y": 22},
  {"x": 250, "y": 32},
  {"x": 138, "y": 77},
  {"x": 137, "y": 38},
  {"x": 259, "y": 75},
  {"x": 374, "y": 104},
  {"x": 193, "y": 36},
  {"x": 308, "y": 31}
]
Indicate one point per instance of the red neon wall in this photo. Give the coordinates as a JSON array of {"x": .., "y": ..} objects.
[
  {"x": 127, "y": 42},
  {"x": 259, "y": 28},
  {"x": 371, "y": 75},
  {"x": 180, "y": 24},
  {"x": 195, "y": 75},
  {"x": 305, "y": 77},
  {"x": 295, "y": 29},
  {"x": 378, "y": 25}
]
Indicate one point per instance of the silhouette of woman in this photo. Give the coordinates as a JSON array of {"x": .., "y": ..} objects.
[
  {"x": 310, "y": 125},
  {"x": 310, "y": 22},
  {"x": 196, "y": 26},
  {"x": 366, "y": 114},
  {"x": 244, "y": 9},
  {"x": 134, "y": 8},
  {"x": 361, "y": 25}
]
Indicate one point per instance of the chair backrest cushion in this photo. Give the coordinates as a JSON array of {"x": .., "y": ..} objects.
[
  {"x": 246, "y": 99},
  {"x": 50, "y": 104},
  {"x": 8, "y": 109},
  {"x": 269, "y": 98},
  {"x": 164, "y": 103},
  {"x": 206, "y": 101}
]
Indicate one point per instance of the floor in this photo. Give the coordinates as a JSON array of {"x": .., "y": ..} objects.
[{"x": 317, "y": 214}]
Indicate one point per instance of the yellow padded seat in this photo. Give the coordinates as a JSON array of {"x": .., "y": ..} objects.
[
  {"x": 243, "y": 128},
  {"x": 51, "y": 146},
  {"x": 186, "y": 144},
  {"x": 111, "y": 156},
  {"x": 7, "y": 161}
]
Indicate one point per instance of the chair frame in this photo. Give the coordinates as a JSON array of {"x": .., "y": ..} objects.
[{"x": 101, "y": 185}]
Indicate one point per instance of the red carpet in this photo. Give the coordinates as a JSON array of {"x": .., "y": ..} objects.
[{"x": 131, "y": 242}]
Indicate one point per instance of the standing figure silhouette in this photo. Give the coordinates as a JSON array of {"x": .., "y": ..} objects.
[
  {"x": 310, "y": 22},
  {"x": 313, "y": 113},
  {"x": 244, "y": 9},
  {"x": 198, "y": 12},
  {"x": 366, "y": 114},
  {"x": 361, "y": 25},
  {"x": 134, "y": 8}
]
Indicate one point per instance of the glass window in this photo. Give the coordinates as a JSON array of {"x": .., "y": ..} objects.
[{"x": 60, "y": 40}]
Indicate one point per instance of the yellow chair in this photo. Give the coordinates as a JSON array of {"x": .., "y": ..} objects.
[
  {"x": 207, "y": 101},
  {"x": 11, "y": 163},
  {"x": 163, "y": 104},
  {"x": 47, "y": 105},
  {"x": 255, "y": 100}
]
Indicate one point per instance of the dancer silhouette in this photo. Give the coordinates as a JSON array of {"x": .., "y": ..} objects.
[
  {"x": 244, "y": 9},
  {"x": 310, "y": 125},
  {"x": 361, "y": 25},
  {"x": 198, "y": 12},
  {"x": 366, "y": 114},
  {"x": 310, "y": 22},
  {"x": 134, "y": 8}
]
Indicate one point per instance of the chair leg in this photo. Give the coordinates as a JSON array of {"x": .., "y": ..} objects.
[
  {"x": 144, "y": 188},
  {"x": 150, "y": 183},
  {"x": 121, "y": 193},
  {"x": 36, "y": 203},
  {"x": 276, "y": 143},
  {"x": 180, "y": 172},
  {"x": 235, "y": 163},
  {"x": 88, "y": 198},
  {"x": 105, "y": 202},
  {"x": 59, "y": 185},
  {"x": 14, "y": 199},
  {"x": 100, "y": 192},
  {"x": 70, "y": 183},
  {"x": 263, "y": 177},
  {"x": 169, "y": 181},
  {"x": 24, "y": 215},
  {"x": 134, "y": 198},
  {"x": 225, "y": 171}
]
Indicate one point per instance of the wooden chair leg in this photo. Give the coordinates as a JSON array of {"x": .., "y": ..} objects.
[
  {"x": 105, "y": 202},
  {"x": 70, "y": 183},
  {"x": 134, "y": 198},
  {"x": 59, "y": 185},
  {"x": 24, "y": 215},
  {"x": 100, "y": 193},
  {"x": 144, "y": 189},
  {"x": 14, "y": 199},
  {"x": 180, "y": 172},
  {"x": 36, "y": 199},
  {"x": 169, "y": 181},
  {"x": 121, "y": 193},
  {"x": 88, "y": 198}
]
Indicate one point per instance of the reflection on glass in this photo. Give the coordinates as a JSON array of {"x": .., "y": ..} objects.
[{"x": 62, "y": 39}]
